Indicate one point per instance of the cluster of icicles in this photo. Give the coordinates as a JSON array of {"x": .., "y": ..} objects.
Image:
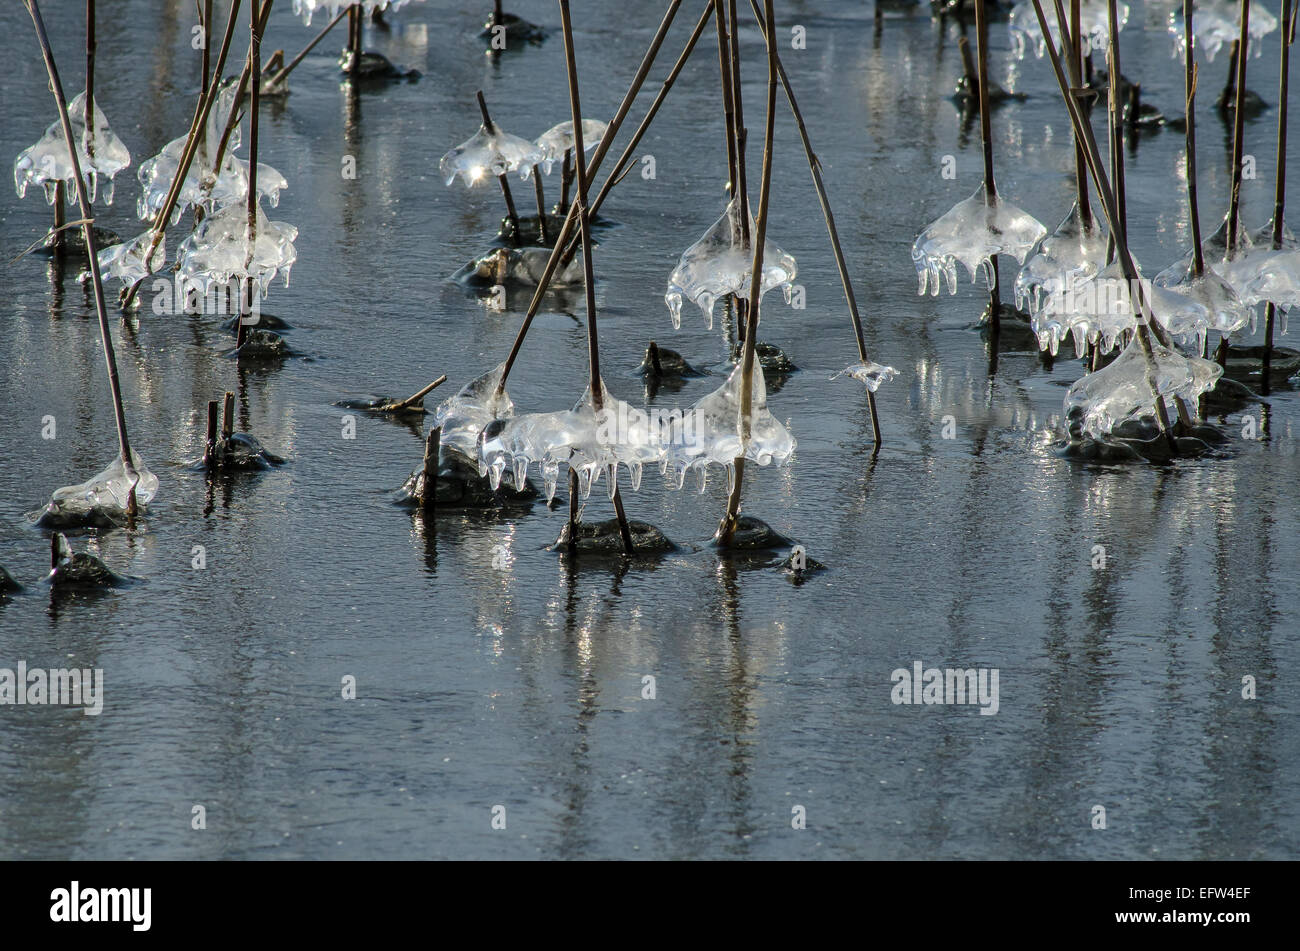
[
  {"x": 222, "y": 249},
  {"x": 720, "y": 263},
  {"x": 1071, "y": 290},
  {"x": 481, "y": 424},
  {"x": 100, "y": 153},
  {"x": 330, "y": 8}
]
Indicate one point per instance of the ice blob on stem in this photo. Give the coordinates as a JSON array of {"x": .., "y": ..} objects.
[
  {"x": 1127, "y": 388},
  {"x": 1094, "y": 24},
  {"x": 719, "y": 264},
  {"x": 971, "y": 233},
  {"x": 487, "y": 154},
  {"x": 101, "y": 156},
  {"x": 1216, "y": 23},
  {"x": 554, "y": 142}
]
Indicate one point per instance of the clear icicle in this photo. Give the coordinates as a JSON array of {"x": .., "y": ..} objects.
[{"x": 1094, "y": 24}]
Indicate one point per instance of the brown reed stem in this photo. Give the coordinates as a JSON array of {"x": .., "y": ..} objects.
[
  {"x": 727, "y": 527},
  {"x": 1279, "y": 182},
  {"x": 589, "y": 279},
  {"x": 571, "y": 221},
  {"x": 815, "y": 168},
  {"x": 92, "y": 254}
]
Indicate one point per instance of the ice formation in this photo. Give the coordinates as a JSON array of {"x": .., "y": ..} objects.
[
  {"x": 594, "y": 442},
  {"x": 102, "y": 496},
  {"x": 869, "y": 373},
  {"x": 488, "y": 154},
  {"x": 518, "y": 266},
  {"x": 101, "y": 156},
  {"x": 1228, "y": 313},
  {"x": 463, "y": 417},
  {"x": 1215, "y": 23},
  {"x": 218, "y": 251},
  {"x": 1094, "y": 24},
  {"x": 1067, "y": 257},
  {"x": 1255, "y": 273},
  {"x": 1099, "y": 310},
  {"x": 971, "y": 233},
  {"x": 1263, "y": 275},
  {"x": 719, "y": 264},
  {"x": 126, "y": 262},
  {"x": 554, "y": 142},
  {"x": 1127, "y": 388},
  {"x": 201, "y": 187},
  {"x": 330, "y": 8}
]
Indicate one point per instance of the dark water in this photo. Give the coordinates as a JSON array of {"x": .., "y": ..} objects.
[{"x": 522, "y": 687}]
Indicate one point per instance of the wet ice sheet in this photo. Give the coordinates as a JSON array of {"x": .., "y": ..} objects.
[
  {"x": 1126, "y": 389},
  {"x": 970, "y": 234},
  {"x": 1094, "y": 24},
  {"x": 719, "y": 264},
  {"x": 487, "y": 154},
  {"x": 48, "y": 162}
]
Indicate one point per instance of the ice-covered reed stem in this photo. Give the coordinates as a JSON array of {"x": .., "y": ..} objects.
[
  {"x": 490, "y": 126},
  {"x": 90, "y": 79},
  {"x": 432, "y": 450},
  {"x": 228, "y": 415},
  {"x": 589, "y": 278},
  {"x": 1189, "y": 81},
  {"x": 986, "y": 137},
  {"x": 571, "y": 221},
  {"x": 1238, "y": 132},
  {"x": 815, "y": 168},
  {"x": 210, "y": 442},
  {"x": 1288, "y": 28},
  {"x": 201, "y": 113},
  {"x": 727, "y": 528},
  {"x": 205, "y": 71},
  {"x": 92, "y": 252},
  {"x": 1076, "y": 75},
  {"x": 1114, "y": 109},
  {"x": 254, "y": 107},
  {"x": 541, "y": 203},
  {"x": 728, "y": 108},
  {"x": 1146, "y": 326}
]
